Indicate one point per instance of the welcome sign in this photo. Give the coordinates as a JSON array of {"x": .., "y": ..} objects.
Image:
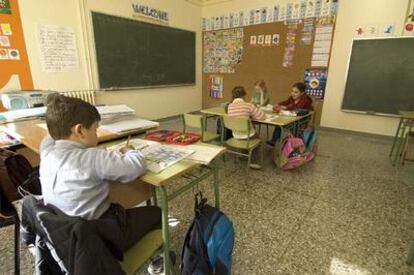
[{"x": 149, "y": 12}]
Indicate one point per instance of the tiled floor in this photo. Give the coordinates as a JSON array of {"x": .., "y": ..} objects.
[{"x": 347, "y": 212}]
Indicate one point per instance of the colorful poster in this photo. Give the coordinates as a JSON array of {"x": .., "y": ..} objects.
[
  {"x": 275, "y": 39},
  {"x": 14, "y": 54},
  {"x": 241, "y": 18},
  {"x": 268, "y": 40},
  {"x": 222, "y": 50},
  {"x": 6, "y": 29},
  {"x": 253, "y": 40},
  {"x": 251, "y": 17},
  {"x": 203, "y": 24},
  {"x": 282, "y": 13},
  {"x": 289, "y": 11},
  {"x": 216, "y": 86},
  {"x": 322, "y": 45},
  {"x": 302, "y": 13},
  {"x": 387, "y": 30},
  {"x": 318, "y": 8},
  {"x": 307, "y": 31},
  {"x": 315, "y": 81},
  {"x": 4, "y": 54},
  {"x": 257, "y": 16},
  {"x": 333, "y": 10},
  {"x": 236, "y": 20},
  {"x": 290, "y": 43},
  {"x": 359, "y": 31},
  {"x": 310, "y": 8},
  {"x": 409, "y": 29},
  {"x": 295, "y": 10},
  {"x": 4, "y": 41},
  {"x": 276, "y": 13},
  {"x": 226, "y": 23},
  {"x": 231, "y": 20},
  {"x": 260, "y": 39},
  {"x": 372, "y": 30},
  {"x": 263, "y": 15},
  {"x": 5, "y": 7}
]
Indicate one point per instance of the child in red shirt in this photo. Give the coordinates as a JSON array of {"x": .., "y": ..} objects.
[{"x": 298, "y": 100}]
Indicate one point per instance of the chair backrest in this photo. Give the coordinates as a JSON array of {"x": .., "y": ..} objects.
[
  {"x": 194, "y": 121},
  {"x": 88, "y": 96},
  {"x": 238, "y": 123}
]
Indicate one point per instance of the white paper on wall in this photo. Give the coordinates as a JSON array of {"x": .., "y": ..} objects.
[{"x": 57, "y": 45}]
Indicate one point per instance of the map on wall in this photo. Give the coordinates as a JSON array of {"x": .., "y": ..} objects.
[{"x": 222, "y": 50}]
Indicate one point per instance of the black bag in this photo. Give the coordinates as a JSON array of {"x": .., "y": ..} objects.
[
  {"x": 16, "y": 173},
  {"x": 208, "y": 244}
]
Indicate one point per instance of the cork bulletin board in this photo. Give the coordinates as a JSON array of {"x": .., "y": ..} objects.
[{"x": 265, "y": 62}]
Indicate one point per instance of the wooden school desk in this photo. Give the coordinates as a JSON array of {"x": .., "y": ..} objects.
[
  {"x": 30, "y": 133},
  {"x": 286, "y": 123}
]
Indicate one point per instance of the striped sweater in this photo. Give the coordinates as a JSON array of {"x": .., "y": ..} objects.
[{"x": 241, "y": 108}]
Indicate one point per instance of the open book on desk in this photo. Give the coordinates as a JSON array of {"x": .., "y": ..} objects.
[
  {"x": 203, "y": 154},
  {"x": 157, "y": 156}
]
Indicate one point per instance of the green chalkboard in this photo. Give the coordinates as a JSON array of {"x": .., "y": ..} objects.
[
  {"x": 131, "y": 53},
  {"x": 380, "y": 76}
]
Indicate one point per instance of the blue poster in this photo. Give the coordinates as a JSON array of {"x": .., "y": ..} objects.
[{"x": 315, "y": 80}]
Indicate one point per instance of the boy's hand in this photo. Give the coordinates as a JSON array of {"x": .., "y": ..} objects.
[{"x": 126, "y": 148}]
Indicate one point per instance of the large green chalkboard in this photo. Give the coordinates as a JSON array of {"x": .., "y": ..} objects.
[
  {"x": 131, "y": 53},
  {"x": 380, "y": 76}
]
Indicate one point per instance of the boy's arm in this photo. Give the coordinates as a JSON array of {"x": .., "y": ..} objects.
[{"x": 114, "y": 166}]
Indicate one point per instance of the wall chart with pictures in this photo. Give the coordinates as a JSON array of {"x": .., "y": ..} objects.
[
  {"x": 222, "y": 50},
  {"x": 278, "y": 44}
]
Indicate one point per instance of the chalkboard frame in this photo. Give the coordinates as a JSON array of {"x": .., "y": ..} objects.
[
  {"x": 347, "y": 74},
  {"x": 151, "y": 22}
]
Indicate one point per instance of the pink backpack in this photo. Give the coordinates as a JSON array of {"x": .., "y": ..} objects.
[{"x": 293, "y": 153}]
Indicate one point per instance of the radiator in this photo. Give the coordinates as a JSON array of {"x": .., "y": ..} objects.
[{"x": 88, "y": 96}]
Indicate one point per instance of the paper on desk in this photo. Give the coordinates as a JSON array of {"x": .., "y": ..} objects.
[
  {"x": 22, "y": 113},
  {"x": 114, "y": 109},
  {"x": 128, "y": 125},
  {"x": 271, "y": 117},
  {"x": 202, "y": 154},
  {"x": 157, "y": 156}
]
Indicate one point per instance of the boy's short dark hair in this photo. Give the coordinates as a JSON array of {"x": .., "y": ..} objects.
[
  {"x": 238, "y": 92},
  {"x": 300, "y": 86},
  {"x": 65, "y": 112}
]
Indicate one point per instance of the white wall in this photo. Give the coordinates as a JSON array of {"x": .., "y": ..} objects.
[
  {"x": 351, "y": 13},
  {"x": 148, "y": 103}
]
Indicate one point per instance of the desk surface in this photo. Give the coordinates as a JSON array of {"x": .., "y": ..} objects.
[
  {"x": 31, "y": 133},
  {"x": 407, "y": 114},
  {"x": 278, "y": 121}
]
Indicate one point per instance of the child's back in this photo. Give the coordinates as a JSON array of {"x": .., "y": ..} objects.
[{"x": 75, "y": 178}]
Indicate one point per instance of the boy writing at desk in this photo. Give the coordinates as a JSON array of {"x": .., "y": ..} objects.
[{"x": 75, "y": 175}]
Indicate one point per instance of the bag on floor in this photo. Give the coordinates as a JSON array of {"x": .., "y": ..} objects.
[
  {"x": 208, "y": 244},
  {"x": 297, "y": 151}
]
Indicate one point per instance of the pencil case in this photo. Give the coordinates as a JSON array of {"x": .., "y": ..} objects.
[
  {"x": 161, "y": 135},
  {"x": 183, "y": 139}
]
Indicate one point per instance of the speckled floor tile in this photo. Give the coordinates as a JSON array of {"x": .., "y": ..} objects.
[{"x": 347, "y": 212}]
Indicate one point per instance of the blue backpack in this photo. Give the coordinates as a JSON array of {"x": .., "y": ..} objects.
[{"x": 208, "y": 244}]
